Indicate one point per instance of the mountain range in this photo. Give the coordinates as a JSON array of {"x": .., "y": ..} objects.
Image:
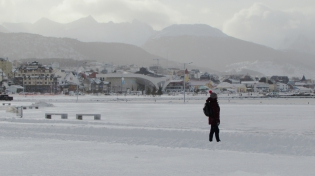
[
  {"x": 137, "y": 43},
  {"x": 87, "y": 30},
  {"x": 216, "y": 50}
]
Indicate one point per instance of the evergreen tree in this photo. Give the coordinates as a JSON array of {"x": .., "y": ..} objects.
[
  {"x": 159, "y": 92},
  {"x": 148, "y": 92},
  {"x": 153, "y": 91}
]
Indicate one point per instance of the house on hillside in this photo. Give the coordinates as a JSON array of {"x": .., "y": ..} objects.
[{"x": 281, "y": 87}]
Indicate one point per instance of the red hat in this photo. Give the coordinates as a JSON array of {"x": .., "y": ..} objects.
[{"x": 210, "y": 91}]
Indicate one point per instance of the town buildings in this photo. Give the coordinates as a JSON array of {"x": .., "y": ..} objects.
[
  {"x": 108, "y": 78},
  {"x": 35, "y": 77}
]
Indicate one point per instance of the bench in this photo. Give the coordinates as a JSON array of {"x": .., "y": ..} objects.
[
  {"x": 6, "y": 103},
  {"x": 96, "y": 116},
  {"x": 63, "y": 115}
]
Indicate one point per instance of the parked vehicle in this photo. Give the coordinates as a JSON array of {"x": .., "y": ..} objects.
[
  {"x": 6, "y": 97},
  {"x": 273, "y": 94}
]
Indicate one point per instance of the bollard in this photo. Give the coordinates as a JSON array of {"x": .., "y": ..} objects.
[
  {"x": 64, "y": 116},
  {"x": 97, "y": 117}
]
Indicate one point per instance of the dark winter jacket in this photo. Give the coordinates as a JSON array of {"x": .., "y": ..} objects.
[{"x": 215, "y": 117}]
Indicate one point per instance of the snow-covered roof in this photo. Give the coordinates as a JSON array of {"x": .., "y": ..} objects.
[{"x": 176, "y": 81}]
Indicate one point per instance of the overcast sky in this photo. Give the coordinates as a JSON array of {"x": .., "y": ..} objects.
[{"x": 266, "y": 22}]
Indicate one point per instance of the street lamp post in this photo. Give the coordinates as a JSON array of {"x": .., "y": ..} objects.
[{"x": 184, "y": 78}]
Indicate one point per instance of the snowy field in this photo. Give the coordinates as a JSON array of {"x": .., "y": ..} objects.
[{"x": 157, "y": 136}]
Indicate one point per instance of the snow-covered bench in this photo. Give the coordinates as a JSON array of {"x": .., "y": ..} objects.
[
  {"x": 63, "y": 115},
  {"x": 6, "y": 103},
  {"x": 96, "y": 116}
]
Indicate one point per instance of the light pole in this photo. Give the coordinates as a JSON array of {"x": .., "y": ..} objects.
[{"x": 184, "y": 78}]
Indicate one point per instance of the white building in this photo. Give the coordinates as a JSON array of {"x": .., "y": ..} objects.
[
  {"x": 281, "y": 87},
  {"x": 250, "y": 85},
  {"x": 262, "y": 87}
]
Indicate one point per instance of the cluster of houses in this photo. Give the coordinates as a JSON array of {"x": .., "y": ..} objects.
[{"x": 34, "y": 77}]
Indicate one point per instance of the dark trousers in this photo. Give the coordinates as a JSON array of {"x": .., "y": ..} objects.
[{"x": 214, "y": 130}]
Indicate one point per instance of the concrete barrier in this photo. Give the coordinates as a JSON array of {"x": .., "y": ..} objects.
[
  {"x": 96, "y": 116},
  {"x": 63, "y": 115}
]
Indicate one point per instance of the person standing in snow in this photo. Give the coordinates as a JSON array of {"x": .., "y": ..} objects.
[{"x": 214, "y": 119}]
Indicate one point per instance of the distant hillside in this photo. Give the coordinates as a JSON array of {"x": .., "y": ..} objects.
[
  {"x": 30, "y": 47},
  {"x": 226, "y": 53},
  {"x": 19, "y": 46},
  {"x": 300, "y": 43},
  {"x": 3, "y": 29},
  {"x": 198, "y": 30},
  {"x": 87, "y": 30}
]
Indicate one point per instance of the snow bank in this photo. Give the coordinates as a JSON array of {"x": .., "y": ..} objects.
[
  {"x": 42, "y": 104},
  {"x": 11, "y": 109}
]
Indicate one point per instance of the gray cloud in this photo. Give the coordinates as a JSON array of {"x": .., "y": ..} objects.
[
  {"x": 266, "y": 26},
  {"x": 150, "y": 11}
]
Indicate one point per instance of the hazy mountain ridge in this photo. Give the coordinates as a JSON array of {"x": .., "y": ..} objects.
[
  {"x": 299, "y": 43},
  {"x": 22, "y": 45},
  {"x": 198, "y": 30},
  {"x": 203, "y": 45},
  {"x": 221, "y": 52},
  {"x": 87, "y": 30}
]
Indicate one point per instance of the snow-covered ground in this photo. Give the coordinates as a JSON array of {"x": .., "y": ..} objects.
[{"x": 157, "y": 136}]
